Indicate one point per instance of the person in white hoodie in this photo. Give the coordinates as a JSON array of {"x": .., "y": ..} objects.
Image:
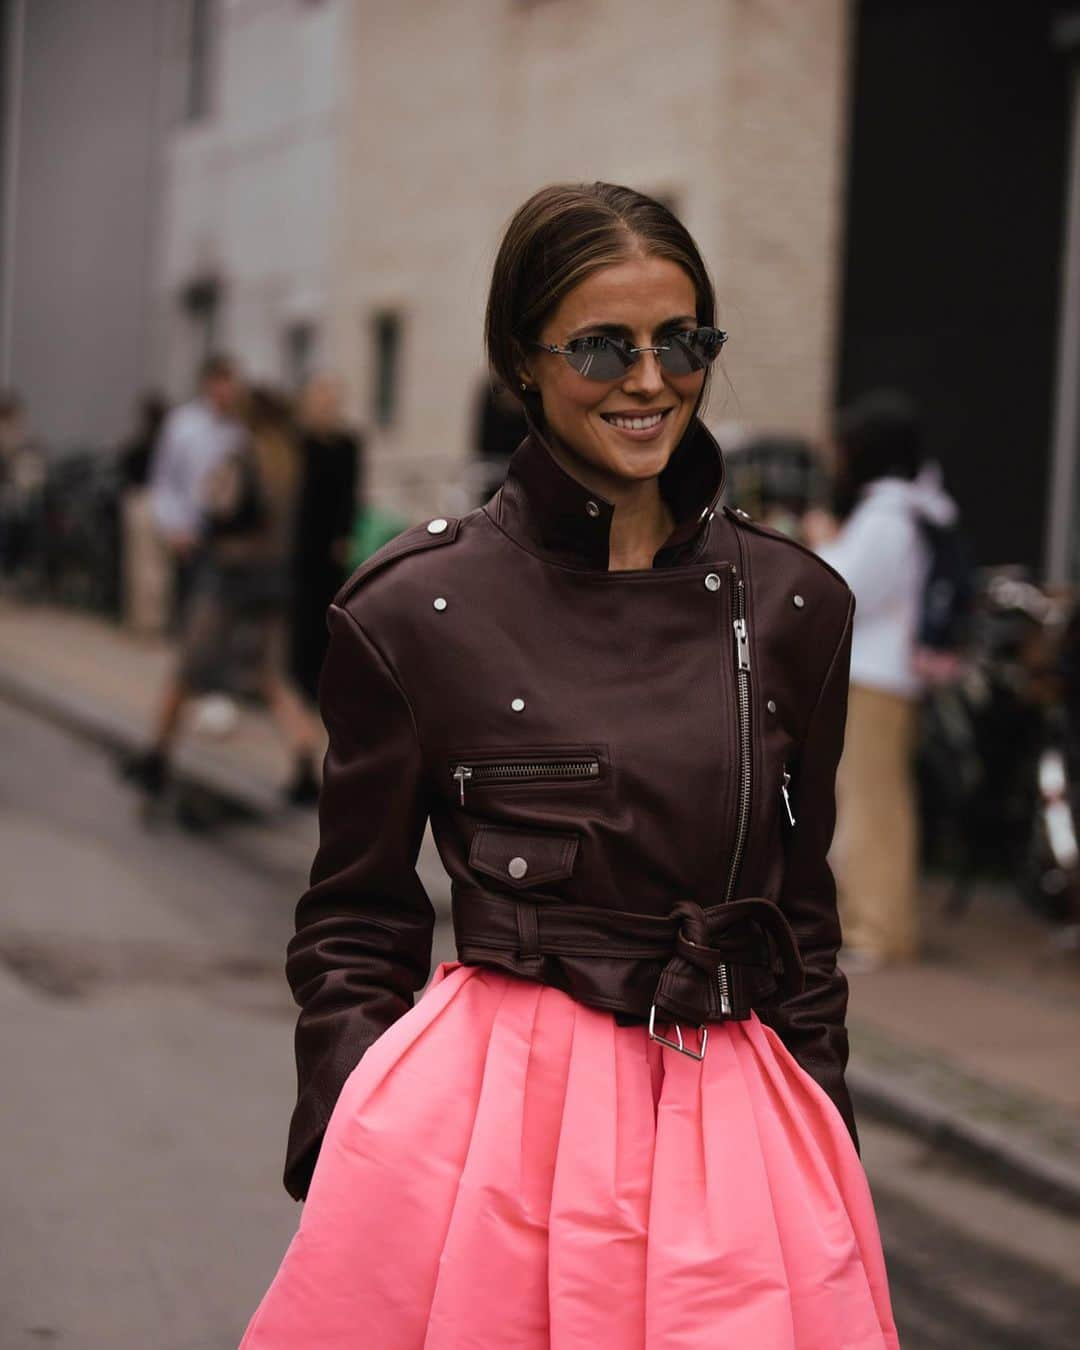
[{"x": 884, "y": 489}]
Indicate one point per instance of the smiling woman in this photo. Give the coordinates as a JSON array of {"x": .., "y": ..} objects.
[{"x": 619, "y": 1118}]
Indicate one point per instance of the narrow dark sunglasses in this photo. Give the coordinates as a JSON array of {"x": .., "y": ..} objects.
[{"x": 599, "y": 357}]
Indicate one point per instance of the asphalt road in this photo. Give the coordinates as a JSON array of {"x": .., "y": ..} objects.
[{"x": 145, "y": 1042}]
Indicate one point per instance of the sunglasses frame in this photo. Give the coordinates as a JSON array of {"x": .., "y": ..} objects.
[{"x": 633, "y": 352}]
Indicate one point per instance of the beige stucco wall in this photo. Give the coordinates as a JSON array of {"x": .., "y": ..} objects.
[{"x": 732, "y": 108}]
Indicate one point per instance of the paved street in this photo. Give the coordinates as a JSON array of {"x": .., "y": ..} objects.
[{"x": 147, "y": 1061}]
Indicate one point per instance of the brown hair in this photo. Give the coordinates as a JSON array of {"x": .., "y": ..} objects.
[{"x": 561, "y": 235}]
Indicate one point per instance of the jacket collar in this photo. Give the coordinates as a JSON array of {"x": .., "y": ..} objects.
[{"x": 547, "y": 509}]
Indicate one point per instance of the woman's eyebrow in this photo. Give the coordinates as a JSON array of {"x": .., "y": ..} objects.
[{"x": 621, "y": 329}]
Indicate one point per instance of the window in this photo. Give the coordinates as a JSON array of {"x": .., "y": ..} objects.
[
  {"x": 298, "y": 353},
  {"x": 201, "y": 301},
  {"x": 200, "y": 18},
  {"x": 386, "y": 334}
]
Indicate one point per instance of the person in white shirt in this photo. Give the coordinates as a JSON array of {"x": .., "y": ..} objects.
[
  {"x": 884, "y": 489},
  {"x": 195, "y": 440}
]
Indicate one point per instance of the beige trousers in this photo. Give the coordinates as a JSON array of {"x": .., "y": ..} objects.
[
  {"x": 874, "y": 854},
  {"x": 147, "y": 566}
]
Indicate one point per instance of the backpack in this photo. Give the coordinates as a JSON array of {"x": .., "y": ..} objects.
[{"x": 948, "y": 597}]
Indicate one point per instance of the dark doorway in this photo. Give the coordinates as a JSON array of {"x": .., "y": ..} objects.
[{"x": 952, "y": 271}]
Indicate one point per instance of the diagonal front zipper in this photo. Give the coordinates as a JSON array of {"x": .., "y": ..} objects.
[
  {"x": 742, "y": 692},
  {"x": 525, "y": 771}
]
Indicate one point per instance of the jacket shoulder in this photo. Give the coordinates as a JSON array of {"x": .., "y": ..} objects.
[
  {"x": 439, "y": 532},
  {"x": 742, "y": 521}
]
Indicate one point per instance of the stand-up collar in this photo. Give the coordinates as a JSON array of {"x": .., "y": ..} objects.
[{"x": 549, "y": 510}]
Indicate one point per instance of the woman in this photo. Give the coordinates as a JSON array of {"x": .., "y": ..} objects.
[
  {"x": 330, "y": 456},
  {"x": 240, "y": 586},
  {"x": 601, "y": 1127},
  {"x": 884, "y": 491}
]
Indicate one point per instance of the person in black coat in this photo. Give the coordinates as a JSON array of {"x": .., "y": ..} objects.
[{"x": 330, "y": 476}]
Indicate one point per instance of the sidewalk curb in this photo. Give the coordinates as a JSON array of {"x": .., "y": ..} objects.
[
  {"x": 1024, "y": 1165},
  {"x": 1020, "y": 1162},
  {"x": 114, "y": 732}
]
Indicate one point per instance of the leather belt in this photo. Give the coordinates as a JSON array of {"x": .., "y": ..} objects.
[{"x": 695, "y": 965}]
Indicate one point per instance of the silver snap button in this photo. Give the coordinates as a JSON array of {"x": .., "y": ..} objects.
[
  {"x": 437, "y": 525},
  {"x": 798, "y": 601},
  {"x": 712, "y": 582},
  {"x": 517, "y": 867},
  {"x": 592, "y": 509},
  {"x": 771, "y": 705},
  {"x": 518, "y": 704},
  {"x": 439, "y": 603}
]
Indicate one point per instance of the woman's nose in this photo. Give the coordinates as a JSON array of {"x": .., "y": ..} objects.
[{"x": 645, "y": 376}]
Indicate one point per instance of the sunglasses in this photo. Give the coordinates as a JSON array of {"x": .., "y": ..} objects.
[{"x": 599, "y": 357}]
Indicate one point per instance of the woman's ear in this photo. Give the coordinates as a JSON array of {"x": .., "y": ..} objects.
[{"x": 526, "y": 383}]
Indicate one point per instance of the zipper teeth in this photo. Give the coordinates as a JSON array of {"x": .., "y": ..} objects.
[
  {"x": 743, "y": 685},
  {"x": 566, "y": 768}
]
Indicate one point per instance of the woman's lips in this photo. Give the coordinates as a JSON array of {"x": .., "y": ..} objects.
[{"x": 638, "y": 426}]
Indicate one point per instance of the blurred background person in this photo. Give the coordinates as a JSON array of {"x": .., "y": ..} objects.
[
  {"x": 22, "y": 475},
  {"x": 884, "y": 491},
  {"x": 330, "y": 478},
  {"x": 499, "y": 428},
  {"x": 242, "y": 586},
  {"x": 195, "y": 438},
  {"x": 145, "y": 563}
]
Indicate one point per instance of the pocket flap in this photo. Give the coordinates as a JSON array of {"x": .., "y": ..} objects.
[{"x": 523, "y": 858}]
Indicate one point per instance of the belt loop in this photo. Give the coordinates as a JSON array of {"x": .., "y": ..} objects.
[{"x": 528, "y": 930}]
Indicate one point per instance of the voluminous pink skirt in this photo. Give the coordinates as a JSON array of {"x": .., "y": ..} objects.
[{"x": 507, "y": 1169}]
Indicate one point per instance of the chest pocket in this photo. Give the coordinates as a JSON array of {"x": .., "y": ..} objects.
[{"x": 523, "y": 858}]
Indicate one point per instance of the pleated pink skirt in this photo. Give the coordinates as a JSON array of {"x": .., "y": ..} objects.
[{"x": 507, "y": 1169}]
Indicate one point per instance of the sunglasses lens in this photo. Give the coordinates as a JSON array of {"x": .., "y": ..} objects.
[
  {"x": 692, "y": 351},
  {"x": 598, "y": 358}
]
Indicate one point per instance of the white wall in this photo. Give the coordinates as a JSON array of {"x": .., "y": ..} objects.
[
  {"x": 733, "y": 108},
  {"x": 251, "y": 190}
]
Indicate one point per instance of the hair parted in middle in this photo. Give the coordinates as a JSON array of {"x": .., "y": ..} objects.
[{"x": 556, "y": 239}]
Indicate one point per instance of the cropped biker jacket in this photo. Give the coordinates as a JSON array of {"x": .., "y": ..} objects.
[{"x": 629, "y": 775}]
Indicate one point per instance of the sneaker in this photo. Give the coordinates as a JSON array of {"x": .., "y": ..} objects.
[
  {"x": 859, "y": 961},
  {"x": 148, "y": 771},
  {"x": 303, "y": 788}
]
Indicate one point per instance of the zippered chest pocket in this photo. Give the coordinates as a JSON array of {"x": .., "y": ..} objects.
[{"x": 522, "y": 768}]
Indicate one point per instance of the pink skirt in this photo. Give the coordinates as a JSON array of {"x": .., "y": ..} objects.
[{"x": 507, "y": 1169}]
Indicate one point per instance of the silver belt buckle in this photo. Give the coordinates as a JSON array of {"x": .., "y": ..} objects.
[{"x": 678, "y": 1044}]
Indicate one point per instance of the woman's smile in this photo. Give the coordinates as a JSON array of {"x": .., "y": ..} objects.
[{"x": 638, "y": 426}]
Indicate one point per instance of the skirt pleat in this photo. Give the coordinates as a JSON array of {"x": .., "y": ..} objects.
[{"x": 507, "y": 1169}]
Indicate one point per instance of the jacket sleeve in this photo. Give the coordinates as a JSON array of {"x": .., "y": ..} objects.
[
  {"x": 811, "y": 1025},
  {"x": 364, "y": 927}
]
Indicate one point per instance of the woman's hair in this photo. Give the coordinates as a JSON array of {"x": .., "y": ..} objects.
[
  {"x": 273, "y": 441},
  {"x": 877, "y": 436},
  {"x": 560, "y": 236}
]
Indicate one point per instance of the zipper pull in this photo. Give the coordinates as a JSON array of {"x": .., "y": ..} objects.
[
  {"x": 787, "y": 799},
  {"x": 460, "y": 774},
  {"x": 723, "y": 979},
  {"x": 742, "y": 643}
]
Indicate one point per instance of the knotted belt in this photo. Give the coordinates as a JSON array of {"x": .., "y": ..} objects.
[{"x": 694, "y": 965}]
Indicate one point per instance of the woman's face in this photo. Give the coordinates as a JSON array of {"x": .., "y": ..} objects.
[
  {"x": 321, "y": 402},
  {"x": 641, "y": 300}
]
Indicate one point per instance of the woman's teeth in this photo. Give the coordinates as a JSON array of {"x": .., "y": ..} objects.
[{"x": 634, "y": 423}]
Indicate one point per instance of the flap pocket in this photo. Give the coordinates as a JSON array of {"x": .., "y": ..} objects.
[{"x": 523, "y": 858}]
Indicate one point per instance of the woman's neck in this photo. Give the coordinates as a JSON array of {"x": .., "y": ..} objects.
[
  {"x": 642, "y": 520},
  {"x": 639, "y": 527}
]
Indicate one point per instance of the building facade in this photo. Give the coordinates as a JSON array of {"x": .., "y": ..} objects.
[
  {"x": 250, "y": 182},
  {"x": 731, "y": 110},
  {"x": 83, "y": 120}
]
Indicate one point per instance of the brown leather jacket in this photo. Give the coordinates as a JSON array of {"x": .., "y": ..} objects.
[{"x": 608, "y": 760}]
